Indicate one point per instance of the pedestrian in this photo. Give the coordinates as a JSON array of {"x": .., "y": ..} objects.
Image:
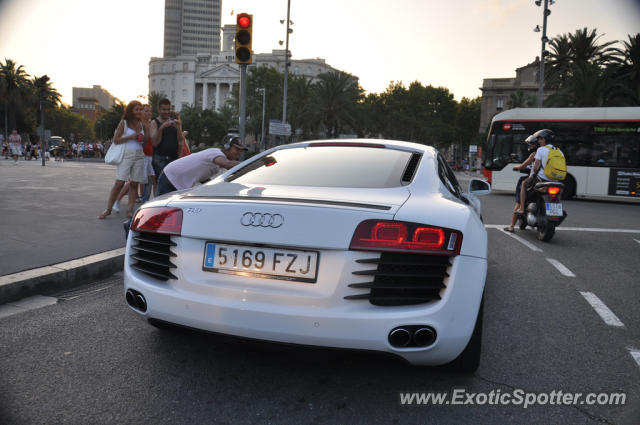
[
  {"x": 166, "y": 137},
  {"x": 27, "y": 150},
  {"x": 147, "y": 148},
  {"x": 199, "y": 167},
  {"x": 130, "y": 131},
  {"x": 15, "y": 145}
]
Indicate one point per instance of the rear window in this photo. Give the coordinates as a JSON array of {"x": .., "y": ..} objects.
[{"x": 327, "y": 166}]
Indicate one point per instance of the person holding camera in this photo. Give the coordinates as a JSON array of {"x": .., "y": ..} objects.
[
  {"x": 166, "y": 137},
  {"x": 130, "y": 131}
]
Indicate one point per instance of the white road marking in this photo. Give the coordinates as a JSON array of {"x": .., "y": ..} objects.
[
  {"x": 561, "y": 267},
  {"x": 637, "y": 240},
  {"x": 603, "y": 311},
  {"x": 576, "y": 229},
  {"x": 597, "y": 229},
  {"x": 522, "y": 241},
  {"x": 635, "y": 354}
]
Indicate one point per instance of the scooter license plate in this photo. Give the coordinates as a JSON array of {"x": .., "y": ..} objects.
[{"x": 554, "y": 209}]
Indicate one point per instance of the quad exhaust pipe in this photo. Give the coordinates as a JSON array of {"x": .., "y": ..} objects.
[
  {"x": 136, "y": 300},
  {"x": 412, "y": 336}
]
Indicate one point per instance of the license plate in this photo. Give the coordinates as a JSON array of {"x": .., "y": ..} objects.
[
  {"x": 554, "y": 209},
  {"x": 270, "y": 263}
]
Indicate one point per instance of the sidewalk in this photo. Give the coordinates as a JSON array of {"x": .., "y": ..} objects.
[{"x": 48, "y": 215}]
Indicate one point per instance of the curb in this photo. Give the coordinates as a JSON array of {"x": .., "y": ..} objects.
[{"x": 57, "y": 277}]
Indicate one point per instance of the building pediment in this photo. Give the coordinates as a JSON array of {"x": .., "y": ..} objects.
[{"x": 220, "y": 71}]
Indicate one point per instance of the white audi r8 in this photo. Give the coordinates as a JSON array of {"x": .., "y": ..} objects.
[{"x": 365, "y": 244}]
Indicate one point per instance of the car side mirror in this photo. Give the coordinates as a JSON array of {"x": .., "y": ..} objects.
[{"x": 479, "y": 187}]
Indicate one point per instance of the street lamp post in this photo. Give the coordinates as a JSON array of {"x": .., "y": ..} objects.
[
  {"x": 286, "y": 66},
  {"x": 544, "y": 39},
  {"x": 264, "y": 94}
]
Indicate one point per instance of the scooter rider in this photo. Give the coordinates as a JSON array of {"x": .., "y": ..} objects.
[
  {"x": 532, "y": 144},
  {"x": 544, "y": 138}
]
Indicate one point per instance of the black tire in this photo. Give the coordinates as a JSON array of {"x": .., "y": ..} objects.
[
  {"x": 469, "y": 360},
  {"x": 569, "y": 187},
  {"x": 546, "y": 232}
]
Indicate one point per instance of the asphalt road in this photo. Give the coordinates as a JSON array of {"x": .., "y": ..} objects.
[{"x": 89, "y": 359}]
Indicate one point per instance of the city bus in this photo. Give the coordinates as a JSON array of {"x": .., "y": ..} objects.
[{"x": 601, "y": 146}]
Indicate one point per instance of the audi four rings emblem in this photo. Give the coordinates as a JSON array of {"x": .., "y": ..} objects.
[{"x": 262, "y": 220}]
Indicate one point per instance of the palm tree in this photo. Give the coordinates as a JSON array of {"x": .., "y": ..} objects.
[
  {"x": 581, "y": 70},
  {"x": 585, "y": 48},
  {"x": 301, "y": 105},
  {"x": 42, "y": 89},
  {"x": 628, "y": 62},
  {"x": 559, "y": 61},
  {"x": 153, "y": 97},
  {"x": 13, "y": 80},
  {"x": 337, "y": 94}
]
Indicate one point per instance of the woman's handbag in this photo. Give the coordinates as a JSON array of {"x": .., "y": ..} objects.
[{"x": 114, "y": 154}]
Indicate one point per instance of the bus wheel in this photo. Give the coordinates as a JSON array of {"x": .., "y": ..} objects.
[{"x": 569, "y": 187}]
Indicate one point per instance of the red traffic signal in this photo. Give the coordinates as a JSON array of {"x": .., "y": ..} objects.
[
  {"x": 244, "y": 21},
  {"x": 244, "y": 29}
]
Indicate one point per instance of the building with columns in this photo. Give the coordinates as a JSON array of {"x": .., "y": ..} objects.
[{"x": 206, "y": 79}]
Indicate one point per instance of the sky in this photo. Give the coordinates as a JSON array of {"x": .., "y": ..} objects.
[{"x": 453, "y": 44}]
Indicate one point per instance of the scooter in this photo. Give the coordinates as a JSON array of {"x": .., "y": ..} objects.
[{"x": 543, "y": 208}]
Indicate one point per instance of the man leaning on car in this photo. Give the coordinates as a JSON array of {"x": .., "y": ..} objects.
[{"x": 199, "y": 167}]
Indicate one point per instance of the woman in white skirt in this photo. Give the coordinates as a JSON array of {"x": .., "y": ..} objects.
[{"x": 130, "y": 131}]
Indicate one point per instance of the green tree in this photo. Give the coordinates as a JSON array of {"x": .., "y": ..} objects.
[
  {"x": 64, "y": 123},
  {"x": 582, "y": 70},
  {"x": 337, "y": 95},
  {"x": 106, "y": 125},
  {"x": 153, "y": 98},
  {"x": 301, "y": 106},
  {"x": 204, "y": 126},
  {"x": 13, "y": 82},
  {"x": 628, "y": 72}
]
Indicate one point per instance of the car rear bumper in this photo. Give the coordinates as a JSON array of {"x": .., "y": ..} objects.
[{"x": 351, "y": 325}]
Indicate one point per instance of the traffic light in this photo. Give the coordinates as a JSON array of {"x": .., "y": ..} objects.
[{"x": 244, "y": 29}]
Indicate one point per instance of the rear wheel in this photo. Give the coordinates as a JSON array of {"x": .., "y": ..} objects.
[
  {"x": 546, "y": 232},
  {"x": 469, "y": 360}
]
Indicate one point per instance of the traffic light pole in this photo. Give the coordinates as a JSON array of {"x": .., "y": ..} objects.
[{"x": 243, "y": 100}]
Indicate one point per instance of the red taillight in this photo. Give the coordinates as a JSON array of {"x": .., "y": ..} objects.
[
  {"x": 158, "y": 220},
  {"x": 428, "y": 238},
  {"x": 383, "y": 235},
  {"x": 553, "y": 190}
]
